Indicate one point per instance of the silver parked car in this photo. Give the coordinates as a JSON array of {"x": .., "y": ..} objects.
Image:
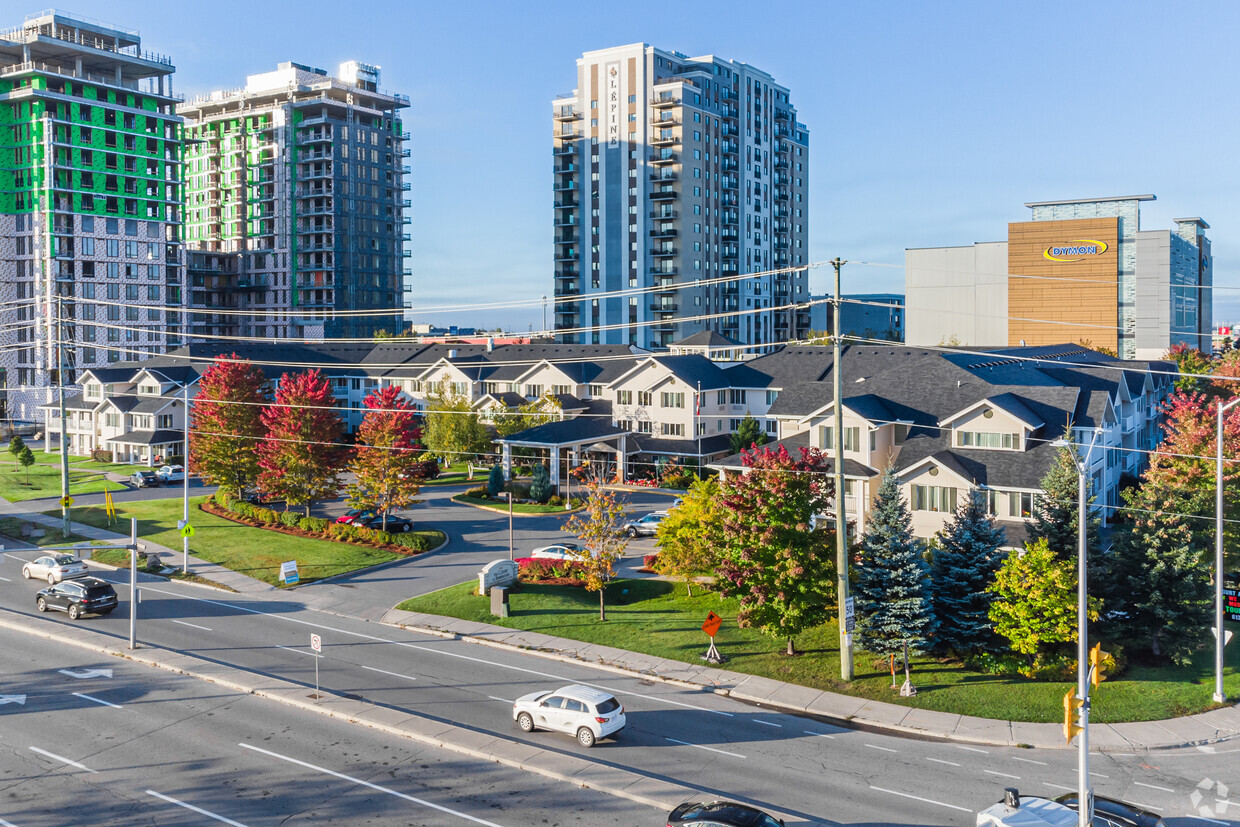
[
  {"x": 54, "y": 567},
  {"x": 644, "y": 526}
]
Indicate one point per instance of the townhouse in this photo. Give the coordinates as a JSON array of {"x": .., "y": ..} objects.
[{"x": 947, "y": 422}]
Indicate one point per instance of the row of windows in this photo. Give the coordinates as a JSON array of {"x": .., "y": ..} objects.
[{"x": 982, "y": 439}]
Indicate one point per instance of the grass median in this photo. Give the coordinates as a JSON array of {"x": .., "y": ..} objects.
[
  {"x": 500, "y": 505},
  {"x": 44, "y": 481},
  {"x": 255, "y": 552},
  {"x": 656, "y": 618}
]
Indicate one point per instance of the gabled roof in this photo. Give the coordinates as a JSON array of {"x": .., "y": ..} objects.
[
  {"x": 1009, "y": 403},
  {"x": 162, "y": 437},
  {"x": 566, "y": 431},
  {"x": 794, "y": 444},
  {"x": 709, "y": 339}
]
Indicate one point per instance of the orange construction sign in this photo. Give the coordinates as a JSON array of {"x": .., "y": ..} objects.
[{"x": 712, "y": 624}]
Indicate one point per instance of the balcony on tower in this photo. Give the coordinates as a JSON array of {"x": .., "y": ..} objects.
[{"x": 665, "y": 192}]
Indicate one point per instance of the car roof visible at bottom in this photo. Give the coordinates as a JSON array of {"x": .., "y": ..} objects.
[
  {"x": 737, "y": 814},
  {"x": 92, "y": 582},
  {"x": 584, "y": 693}
]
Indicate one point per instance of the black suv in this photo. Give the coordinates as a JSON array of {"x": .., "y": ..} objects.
[
  {"x": 720, "y": 813},
  {"x": 78, "y": 597}
]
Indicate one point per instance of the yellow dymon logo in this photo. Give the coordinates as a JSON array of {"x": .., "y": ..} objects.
[{"x": 1075, "y": 250}]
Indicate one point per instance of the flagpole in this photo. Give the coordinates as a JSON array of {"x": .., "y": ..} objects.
[{"x": 697, "y": 434}]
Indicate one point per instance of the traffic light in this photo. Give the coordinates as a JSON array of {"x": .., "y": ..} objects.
[
  {"x": 1099, "y": 661},
  {"x": 1071, "y": 703}
]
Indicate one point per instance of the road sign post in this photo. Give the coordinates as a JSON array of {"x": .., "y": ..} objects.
[
  {"x": 711, "y": 628},
  {"x": 316, "y": 643}
]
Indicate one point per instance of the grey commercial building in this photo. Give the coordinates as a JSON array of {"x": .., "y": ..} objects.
[
  {"x": 874, "y": 316},
  {"x": 675, "y": 178},
  {"x": 1078, "y": 270}
]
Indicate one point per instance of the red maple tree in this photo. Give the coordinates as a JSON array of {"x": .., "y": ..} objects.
[
  {"x": 225, "y": 424},
  {"x": 386, "y": 461},
  {"x": 300, "y": 456}
]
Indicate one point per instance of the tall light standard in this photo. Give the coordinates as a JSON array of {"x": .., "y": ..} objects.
[
  {"x": 1084, "y": 795},
  {"x": 1219, "y": 631}
]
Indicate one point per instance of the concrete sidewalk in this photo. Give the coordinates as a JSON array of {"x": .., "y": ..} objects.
[
  {"x": 172, "y": 557},
  {"x": 1192, "y": 730}
]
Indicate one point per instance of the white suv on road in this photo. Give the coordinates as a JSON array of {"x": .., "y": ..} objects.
[{"x": 588, "y": 713}]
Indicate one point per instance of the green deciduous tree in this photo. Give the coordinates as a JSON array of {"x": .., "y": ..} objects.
[
  {"x": 299, "y": 457},
  {"x": 892, "y": 584},
  {"x": 1054, "y": 517},
  {"x": 782, "y": 570},
  {"x": 385, "y": 465},
  {"x": 533, "y": 413},
  {"x": 1035, "y": 601},
  {"x": 453, "y": 430},
  {"x": 687, "y": 538},
  {"x": 226, "y": 424},
  {"x": 748, "y": 434},
  {"x": 1193, "y": 365},
  {"x": 597, "y": 526},
  {"x": 964, "y": 564},
  {"x": 26, "y": 459}
]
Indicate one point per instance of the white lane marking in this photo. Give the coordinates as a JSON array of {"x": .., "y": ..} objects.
[
  {"x": 1152, "y": 787},
  {"x": 385, "y": 672},
  {"x": 298, "y": 651},
  {"x": 4, "y": 823},
  {"x": 6, "y": 580},
  {"x": 501, "y": 700},
  {"x": 1100, "y": 775},
  {"x": 941, "y": 761},
  {"x": 1227, "y": 803},
  {"x": 198, "y": 810},
  {"x": 708, "y": 749},
  {"x": 884, "y": 749},
  {"x": 1211, "y": 820},
  {"x": 819, "y": 734},
  {"x": 372, "y": 786},
  {"x": 1059, "y": 786},
  {"x": 1029, "y": 761},
  {"x": 434, "y": 651},
  {"x": 192, "y": 626},
  {"x": 63, "y": 760},
  {"x": 98, "y": 700},
  {"x": 1001, "y": 774},
  {"x": 972, "y": 749},
  {"x": 83, "y": 674},
  {"x": 919, "y": 798},
  {"x": 767, "y": 723}
]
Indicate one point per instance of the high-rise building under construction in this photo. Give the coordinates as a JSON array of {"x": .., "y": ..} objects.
[
  {"x": 296, "y": 200},
  {"x": 90, "y": 215}
]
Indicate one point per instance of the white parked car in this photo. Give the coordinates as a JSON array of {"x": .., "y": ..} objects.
[
  {"x": 587, "y": 713},
  {"x": 558, "y": 551},
  {"x": 171, "y": 473},
  {"x": 54, "y": 567}
]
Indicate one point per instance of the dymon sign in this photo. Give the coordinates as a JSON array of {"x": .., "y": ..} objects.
[{"x": 1076, "y": 250}]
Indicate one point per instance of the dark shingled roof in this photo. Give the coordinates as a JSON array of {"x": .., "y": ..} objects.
[
  {"x": 793, "y": 445},
  {"x": 708, "y": 445},
  {"x": 708, "y": 338},
  {"x": 148, "y": 437},
  {"x": 578, "y": 429}
]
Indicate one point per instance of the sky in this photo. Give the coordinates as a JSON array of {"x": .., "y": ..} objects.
[{"x": 931, "y": 124}]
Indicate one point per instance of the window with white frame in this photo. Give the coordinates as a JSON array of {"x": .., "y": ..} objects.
[
  {"x": 671, "y": 400},
  {"x": 934, "y": 498},
  {"x": 673, "y": 429},
  {"x": 624, "y": 397},
  {"x": 984, "y": 439}
]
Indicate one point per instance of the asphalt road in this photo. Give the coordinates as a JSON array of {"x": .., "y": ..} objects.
[
  {"x": 94, "y": 739},
  {"x": 808, "y": 771}
]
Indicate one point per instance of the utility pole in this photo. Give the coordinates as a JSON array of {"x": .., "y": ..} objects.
[
  {"x": 185, "y": 485},
  {"x": 64, "y": 427},
  {"x": 841, "y": 520},
  {"x": 133, "y": 582}
]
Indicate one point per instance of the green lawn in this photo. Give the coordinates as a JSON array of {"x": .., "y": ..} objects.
[
  {"x": 501, "y": 505},
  {"x": 256, "y": 552},
  {"x": 45, "y": 482},
  {"x": 456, "y": 474},
  {"x": 657, "y": 619}
]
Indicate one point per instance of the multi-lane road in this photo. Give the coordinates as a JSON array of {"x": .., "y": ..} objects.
[{"x": 808, "y": 771}]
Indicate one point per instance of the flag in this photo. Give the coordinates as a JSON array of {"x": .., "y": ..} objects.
[{"x": 697, "y": 404}]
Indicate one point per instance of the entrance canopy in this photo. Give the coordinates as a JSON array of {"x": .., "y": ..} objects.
[{"x": 574, "y": 436}]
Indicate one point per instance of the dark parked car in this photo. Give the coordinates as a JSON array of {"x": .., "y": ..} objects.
[
  {"x": 78, "y": 597},
  {"x": 144, "y": 479},
  {"x": 1108, "y": 812},
  {"x": 720, "y": 814},
  {"x": 394, "y": 524}
]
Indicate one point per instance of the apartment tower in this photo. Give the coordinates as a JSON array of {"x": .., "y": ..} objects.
[
  {"x": 296, "y": 200},
  {"x": 90, "y": 222},
  {"x": 675, "y": 180}
]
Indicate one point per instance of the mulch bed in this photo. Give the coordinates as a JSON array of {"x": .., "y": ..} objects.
[{"x": 211, "y": 508}]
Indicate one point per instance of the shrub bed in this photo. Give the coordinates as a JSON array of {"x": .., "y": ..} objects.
[
  {"x": 540, "y": 570},
  {"x": 290, "y": 522}
]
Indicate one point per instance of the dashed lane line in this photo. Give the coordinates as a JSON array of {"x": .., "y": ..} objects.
[
  {"x": 708, "y": 749},
  {"x": 371, "y": 785},
  {"x": 1001, "y": 774},
  {"x": 62, "y": 759},
  {"x": 98, "y": 700},
  {"x": 1152, "y": 787},
  {"x": 1030, "y": 761},
  {"x": 923, "y": 800},
  {"x": 884, "y": 749},
  {"x": 191, "y": 625},
  {"x": 941, "y": 761},
  {"x": 198, "y": 810}
]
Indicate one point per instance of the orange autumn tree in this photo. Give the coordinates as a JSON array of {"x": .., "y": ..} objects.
[{"x": 386, "y": 462}]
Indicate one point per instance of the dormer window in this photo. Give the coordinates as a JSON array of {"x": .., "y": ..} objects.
[
  {"x": 986, "y": 439},
  {"x": 852, "y": 438}
]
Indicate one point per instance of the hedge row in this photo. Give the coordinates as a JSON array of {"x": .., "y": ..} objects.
[
  {"x": 319, "y": 527},
  {"x": 533, "y": 569}
]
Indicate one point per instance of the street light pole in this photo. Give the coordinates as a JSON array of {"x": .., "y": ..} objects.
[
  {"x": 510, "y": 554},
  {"x": 1220, "y": 632},
  {"x": 185, "y": 487}
]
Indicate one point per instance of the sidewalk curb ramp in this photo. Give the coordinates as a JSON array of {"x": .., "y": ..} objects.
[{"x": 555, "y": 765}]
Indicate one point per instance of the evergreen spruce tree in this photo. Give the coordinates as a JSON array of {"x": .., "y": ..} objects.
[
  {"x": 540, "y": 484},
  {"x": 892, "y": 590},
  {"x": 1054, "y": 516},
  {"x": 495, "y": 480},
  {"x": 964, "y": 565}
]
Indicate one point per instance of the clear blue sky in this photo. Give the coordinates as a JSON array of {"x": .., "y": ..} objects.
[{"x": 931, "y": 123}]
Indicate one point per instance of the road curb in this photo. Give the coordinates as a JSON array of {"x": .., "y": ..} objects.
[
  {"x": 504, "y": 511},
  {"x": 447, "y": 538},
  {"x": 412, "y": 726}
]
